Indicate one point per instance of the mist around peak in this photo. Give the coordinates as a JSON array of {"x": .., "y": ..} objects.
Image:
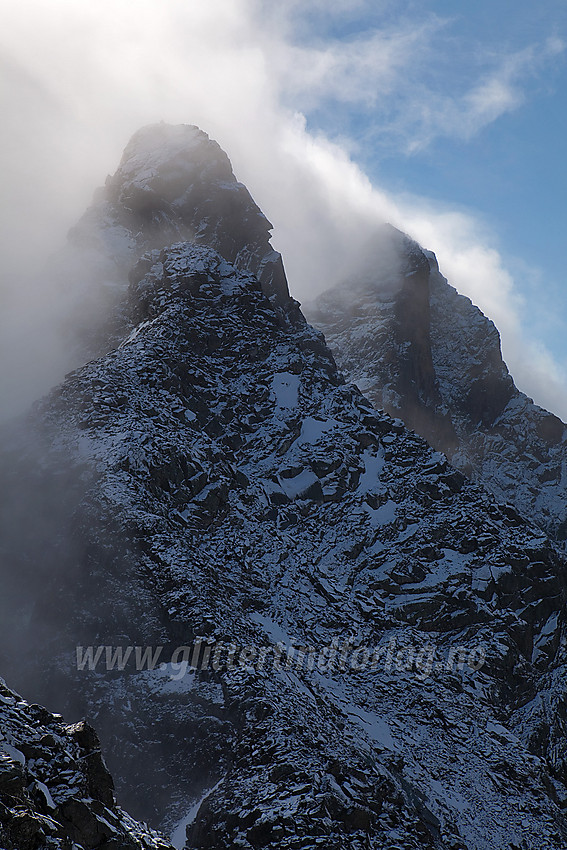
[{"x": 82, "y": 78}]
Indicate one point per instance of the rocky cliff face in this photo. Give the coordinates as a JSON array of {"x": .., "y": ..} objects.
[
  {"x": 386, "y": 645},
  {"x": 55, "y": 789},
  {"x": 423, "y": 352}
]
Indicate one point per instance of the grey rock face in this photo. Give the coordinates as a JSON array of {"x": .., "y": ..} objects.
[{"x": 423, "y": 352}]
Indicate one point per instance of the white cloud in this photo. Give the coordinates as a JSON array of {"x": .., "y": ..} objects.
[
  {"x": 361, "y": 70},
  {"x": 463, "y": 116},
  {"x": 501, "y": 91},
  {"x": 81, "y": 77}
]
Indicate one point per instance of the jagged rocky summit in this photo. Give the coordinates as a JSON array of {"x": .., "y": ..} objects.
[
  {"x": 422, "y": 352},
  {"x": 211, "y": 478},
  {"x": 173, "y": 183}
]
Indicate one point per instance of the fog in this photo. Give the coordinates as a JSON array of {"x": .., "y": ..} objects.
[{"x": 80, "y": 78}]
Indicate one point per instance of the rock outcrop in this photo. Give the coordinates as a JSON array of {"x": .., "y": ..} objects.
[{"x": 55, "y": 789}]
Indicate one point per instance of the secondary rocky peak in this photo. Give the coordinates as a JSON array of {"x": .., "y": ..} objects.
[
  {"x": 412, "y": 259},
  {"x": 382, "y": 317},
  {"x": 423, "y": 352},
  {"x": 384, "y": 261}
]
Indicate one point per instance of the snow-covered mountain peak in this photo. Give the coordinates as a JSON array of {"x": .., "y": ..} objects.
[
  {"x": 173, "y": 184},
  {"x": 381, "y": 647},
  {"x": 161, "y": 164}
]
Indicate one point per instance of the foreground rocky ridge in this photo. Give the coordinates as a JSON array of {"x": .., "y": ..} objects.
[
  {"x": 423, "y": 352},
  {"x": 55, "y": 789},
  {"x": 212, "y": 476}
]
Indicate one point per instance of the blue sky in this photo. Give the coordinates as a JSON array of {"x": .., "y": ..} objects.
[{"x": 508, "y": 168}]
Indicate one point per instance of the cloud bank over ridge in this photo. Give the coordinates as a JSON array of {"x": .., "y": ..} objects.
[{"x": 81, "y": 78}]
